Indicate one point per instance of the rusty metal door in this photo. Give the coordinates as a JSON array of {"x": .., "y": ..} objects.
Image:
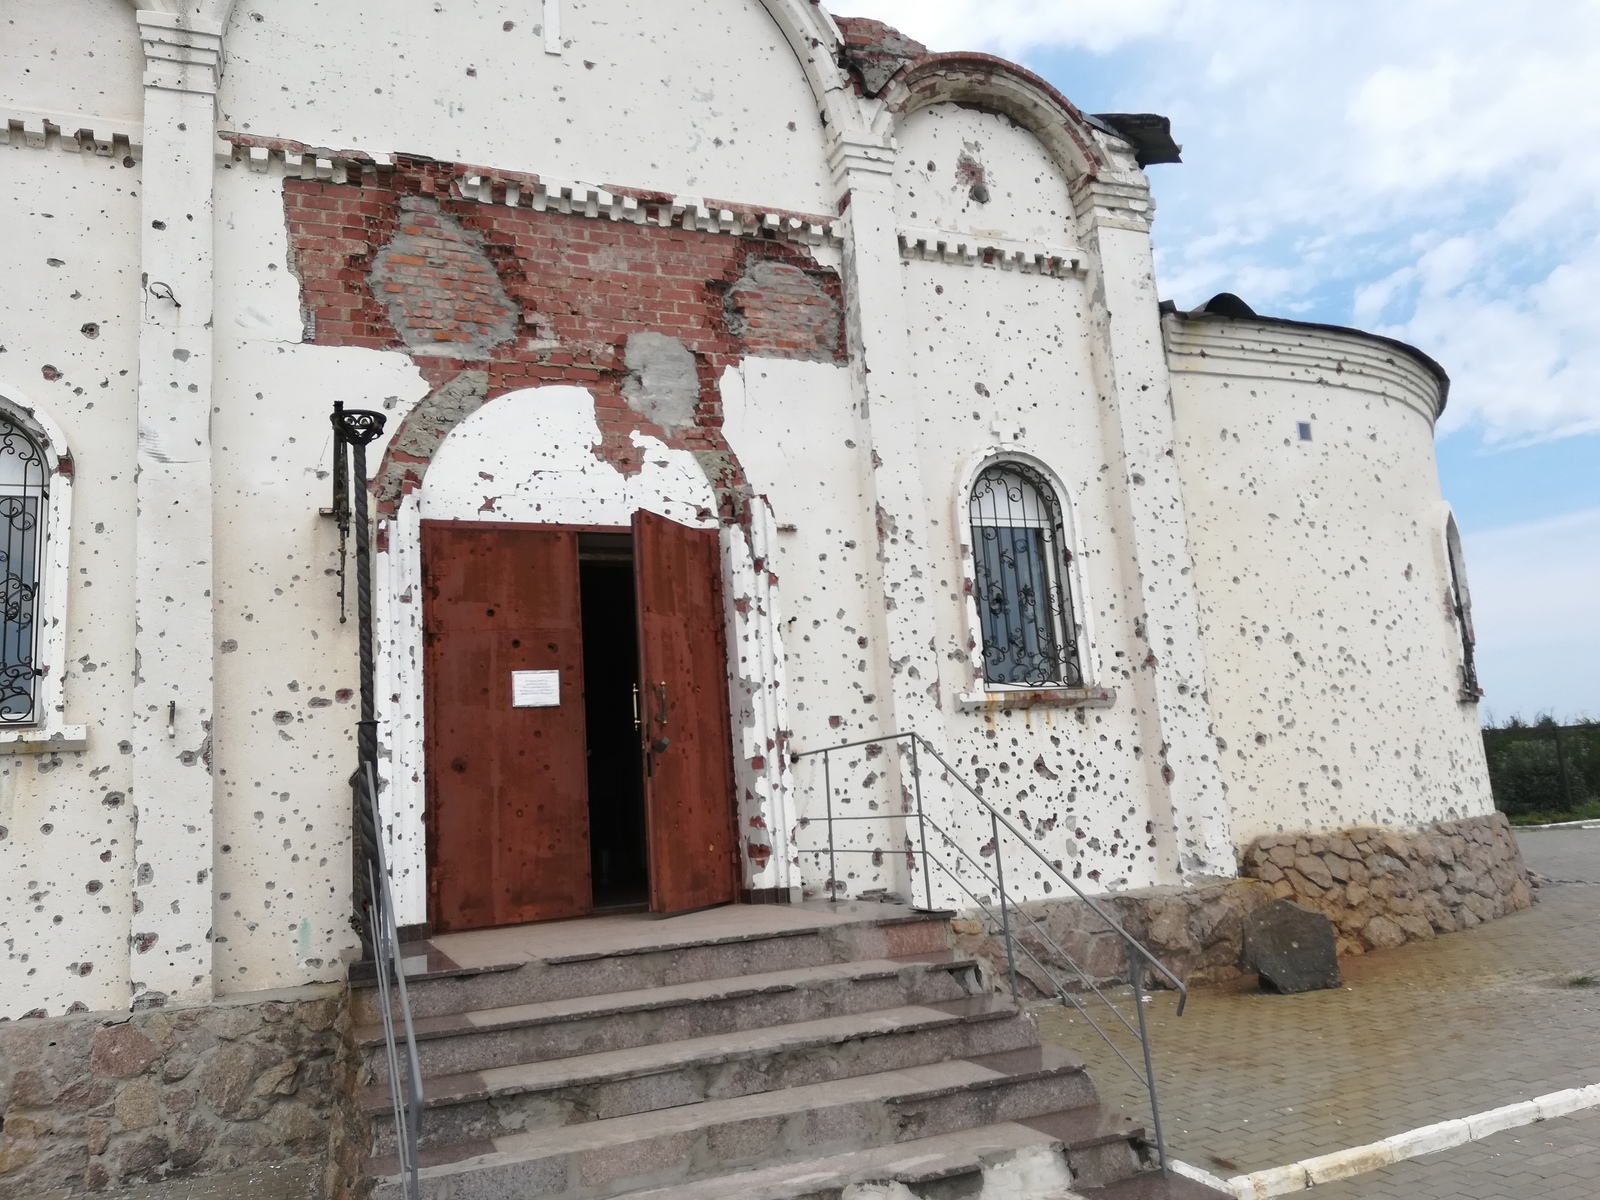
[
  {"x": 688, "y": 749},
  {"x": 507, "y": 788}
]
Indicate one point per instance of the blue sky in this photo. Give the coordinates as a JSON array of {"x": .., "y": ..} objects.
[{"x": 1427, "y": 169}]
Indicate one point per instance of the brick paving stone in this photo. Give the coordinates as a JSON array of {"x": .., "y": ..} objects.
[
  {"x": 1552, "y": 1160},
  {"x": 1419, "y": 1034}
]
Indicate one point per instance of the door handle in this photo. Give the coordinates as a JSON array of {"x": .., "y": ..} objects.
[
  {"x": 661, "y": 704},
  {"x": 636, "y": 708}
]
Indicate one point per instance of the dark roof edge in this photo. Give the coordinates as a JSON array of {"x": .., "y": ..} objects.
[
  {"x": 1150, "y": 135},
  {"x": 1439, "y": 373}
]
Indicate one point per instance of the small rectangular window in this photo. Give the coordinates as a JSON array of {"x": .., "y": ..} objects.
[{"x": 1305, "y": 431}]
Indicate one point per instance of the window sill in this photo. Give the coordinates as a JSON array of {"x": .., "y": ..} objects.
[
  {"x": 1001, "y": 701},
  {"x": 44, "y": 741}
]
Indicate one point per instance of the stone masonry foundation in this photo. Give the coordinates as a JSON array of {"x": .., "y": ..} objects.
[
  {"x": 97, "y": 1101},
  {"x": 1380, "y": 887}
]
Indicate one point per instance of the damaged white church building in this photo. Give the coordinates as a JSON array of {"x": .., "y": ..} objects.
[
  {"x": 884, "y": 320},
  {"x": 753, "y": 381}
]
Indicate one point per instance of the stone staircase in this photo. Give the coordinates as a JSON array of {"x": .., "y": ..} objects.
[{"x": 700, "y": 1057}]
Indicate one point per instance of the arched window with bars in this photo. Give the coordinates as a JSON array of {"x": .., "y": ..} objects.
[
  {"x": 24, "y": 510},
  {"x": 1021, "y": 579}
]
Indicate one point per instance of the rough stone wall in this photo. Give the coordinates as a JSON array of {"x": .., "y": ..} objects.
[
  {"x": 1196, "y": 932},
  {"x": 407, "y": 262},
  {"x": 1380, "y": 888},
  {"x": 103, "y": 1100},
  {"x": 1383, "y": 888}
]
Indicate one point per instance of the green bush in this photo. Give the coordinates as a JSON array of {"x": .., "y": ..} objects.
[{"x": 1544, "y": 772}]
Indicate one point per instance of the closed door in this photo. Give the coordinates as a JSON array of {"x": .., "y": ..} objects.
[
  {"x": 508, "y": 821},
  {"x": 688, "y": 749}
]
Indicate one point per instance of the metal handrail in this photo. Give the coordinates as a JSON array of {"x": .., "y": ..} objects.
[
  {"x": 1137, "y": 956},
  {"x": 389, "y": 965}
]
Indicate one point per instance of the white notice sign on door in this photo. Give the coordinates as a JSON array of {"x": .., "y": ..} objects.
[{"x": 535, "y": 689}]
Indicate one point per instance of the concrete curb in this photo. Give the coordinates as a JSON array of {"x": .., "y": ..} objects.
[
  {"x": 1430, "y": 1139},
  {"x": 1557, "y": 825}
]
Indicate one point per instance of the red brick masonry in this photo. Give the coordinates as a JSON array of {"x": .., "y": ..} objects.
[{"x": 403, "y": 262}]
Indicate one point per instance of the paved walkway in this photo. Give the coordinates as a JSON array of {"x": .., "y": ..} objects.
[
  {"x": 1431, "y": 1031},
  {"x": 1554, "y": 1160}
]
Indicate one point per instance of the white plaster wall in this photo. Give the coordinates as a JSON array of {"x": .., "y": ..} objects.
[
  {"x": 71, "y": 58},
  {"x": 1083, "y": 779},
  {"x": 801, "y": 439},
  {"x": 696, "y": 97},
  {"x": 285, "y": 668},
  {"x": 1334, "y": 657},
  {"x": 944, "y": 147},
  {"x": 1003, "y": 363},
  {"x": 66, "y": 861}
]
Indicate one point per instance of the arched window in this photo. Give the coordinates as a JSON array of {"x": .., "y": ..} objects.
[
  {"x": 24, "y": 500},
  {"x": 1019, "y": 560},
  {"x": 1461, "y": 602}
]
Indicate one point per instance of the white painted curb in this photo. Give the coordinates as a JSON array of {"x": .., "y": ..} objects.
[{"x": 1430, "y": 1139}]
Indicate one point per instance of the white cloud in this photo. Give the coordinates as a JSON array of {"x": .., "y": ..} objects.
[
  {"x": 1536, "y": 601},
  {"x": 1014, "y": 27},
  {"x": 1429, "y": 165}
]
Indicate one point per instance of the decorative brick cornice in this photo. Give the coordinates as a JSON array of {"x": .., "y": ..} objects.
[
  {"x": 971, "y": 250},
  {"x": 541, "y": 193},
  {"x": 74, "y": 133}
]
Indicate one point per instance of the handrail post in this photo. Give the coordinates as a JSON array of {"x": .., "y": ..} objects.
[
  {"x": 1005, "y": 916},
  {"x": 1134, "y": 975},
  {"x": 1139, "y": 957},
  {"x": 827, "y": 789},
  {"x": 922, "y": 824}
]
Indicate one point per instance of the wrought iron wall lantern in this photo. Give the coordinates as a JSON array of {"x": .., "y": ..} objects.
[{"x": 353, "y": 431}]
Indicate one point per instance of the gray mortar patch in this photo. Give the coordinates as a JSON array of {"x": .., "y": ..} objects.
[
  {"x": 776, "y": 301},
  {"x": 427, "y": 425},
  {"x": 455, "y": 290},
  {"x": 662, "y": 384}
]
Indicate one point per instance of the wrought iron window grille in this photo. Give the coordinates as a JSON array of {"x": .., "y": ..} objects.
[
  {"x": 1020, "y": 580},
  {"x": 24, "y": 500}
]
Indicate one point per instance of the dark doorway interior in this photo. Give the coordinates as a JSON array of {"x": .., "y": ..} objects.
[{"x": 611, "y": 675}]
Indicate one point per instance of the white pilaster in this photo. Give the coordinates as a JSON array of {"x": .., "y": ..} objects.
[
  {"x": 172, "y": 698},
  {"x": 1132, "y": 368},
  {"x": 882, "y": 380}
]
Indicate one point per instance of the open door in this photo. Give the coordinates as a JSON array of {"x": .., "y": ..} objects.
[
  {"x": 508, "y": 803},
  {"x": 688, "y": 747}
]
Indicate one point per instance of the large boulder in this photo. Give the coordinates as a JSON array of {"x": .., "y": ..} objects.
[{"x": 1291, "y": 948}]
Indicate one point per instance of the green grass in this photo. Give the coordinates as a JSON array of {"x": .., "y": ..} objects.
[{"x": 1589, "y": 810}]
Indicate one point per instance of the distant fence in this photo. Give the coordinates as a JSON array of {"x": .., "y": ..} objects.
[{"x": 1544, "y": 769}]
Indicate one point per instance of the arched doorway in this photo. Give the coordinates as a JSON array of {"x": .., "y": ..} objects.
[{"x": 576, "y": 744}]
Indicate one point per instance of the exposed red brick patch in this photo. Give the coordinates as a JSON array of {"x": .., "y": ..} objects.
[
  {"x": 441, "y": 291},
  {"x": 577, "y": 289},
  {"x": 874, "y": 52}
]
